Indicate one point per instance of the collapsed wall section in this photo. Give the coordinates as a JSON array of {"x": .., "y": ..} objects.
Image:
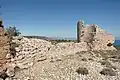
[{"x": 95, "y": 37}]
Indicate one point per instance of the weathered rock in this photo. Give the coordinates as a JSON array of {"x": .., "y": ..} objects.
[
  {"x": 8, "y": 78},
  {"x": 8, "y": 56},
  {"x": 20, "y": 37},
  {"x": 25, "y": 65},
  {"x": 3, "y": 75},
  {"x": 10, "y": 72}
]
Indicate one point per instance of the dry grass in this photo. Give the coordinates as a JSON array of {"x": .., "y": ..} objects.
[
  {"x": 108, "y": 71},
  {"x": 108, "y": 64},
  {"x": 90, "y": 59},
  {"x": 84, "y": 59},
  {"x": 105, "y": 62}
]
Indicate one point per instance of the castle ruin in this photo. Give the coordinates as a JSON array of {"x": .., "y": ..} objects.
[{"x": 95, "y": 36}]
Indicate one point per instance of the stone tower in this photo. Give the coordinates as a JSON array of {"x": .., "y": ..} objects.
[{"x": 80, "y": 26}]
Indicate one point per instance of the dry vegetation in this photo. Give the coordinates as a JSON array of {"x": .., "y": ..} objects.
[
  {"x": 108, "y": 71},
  {"x": 83, "y": 71}
]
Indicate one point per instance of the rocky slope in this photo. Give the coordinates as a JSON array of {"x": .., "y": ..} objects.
[{"x": 38, "y": 59}]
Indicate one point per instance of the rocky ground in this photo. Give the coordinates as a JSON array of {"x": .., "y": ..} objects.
[
  {"x": 80, "y": 66},
  {"x": 38, "y": 59}
]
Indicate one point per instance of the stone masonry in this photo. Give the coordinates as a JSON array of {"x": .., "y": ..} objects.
[
  {"x": 94, "y": 36},
  {"x": 80, "y": 26}
]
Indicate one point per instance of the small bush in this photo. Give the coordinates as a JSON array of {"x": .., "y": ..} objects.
[
  {"x": 116, "y": 56},
  {"x": 115, "y": 60},
  {"x": 77, "y": 53},
  {"x": 17, "y": 69},
  {"x": 12, "y": 48},
  {"x": 3, "y": 75},
  {"x": 13, "y": 31},
  {"x": 53, "y": 42},
  {"x": 90, "y": 59},
  {"x": 80, "y": 55},
  {"x": 108, "y": 71},
  {"x": 84, "y": 59},
  {"x": 109, "y": 44},
  {"x": 104, "y": 56},
  {"x": 107, "y": 63},
  {"x": 114, "y": 67},
  {"x": 82, "y": 71}
]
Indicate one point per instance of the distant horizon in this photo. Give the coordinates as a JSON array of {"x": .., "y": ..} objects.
[{"x": 116, "y": 38}]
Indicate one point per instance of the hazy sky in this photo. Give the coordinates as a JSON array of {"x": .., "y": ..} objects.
[{"x": 59, "y": 17}]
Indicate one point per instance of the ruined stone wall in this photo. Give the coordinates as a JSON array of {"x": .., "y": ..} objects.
[
  {"x": 103, "y": 40},
  {"x": 96, "y": 37},
  {"x": 88, "y": 34}
]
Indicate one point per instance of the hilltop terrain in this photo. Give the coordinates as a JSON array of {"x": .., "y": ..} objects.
[
  {"x": 38, "y": 59},
  {"x": 91, "y": 57}
]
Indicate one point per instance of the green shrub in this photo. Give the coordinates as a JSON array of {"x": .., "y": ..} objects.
[{"x": 13, "y": 31}]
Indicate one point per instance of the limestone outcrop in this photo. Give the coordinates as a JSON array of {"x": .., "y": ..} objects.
[{"x": 95, "y": 37}]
